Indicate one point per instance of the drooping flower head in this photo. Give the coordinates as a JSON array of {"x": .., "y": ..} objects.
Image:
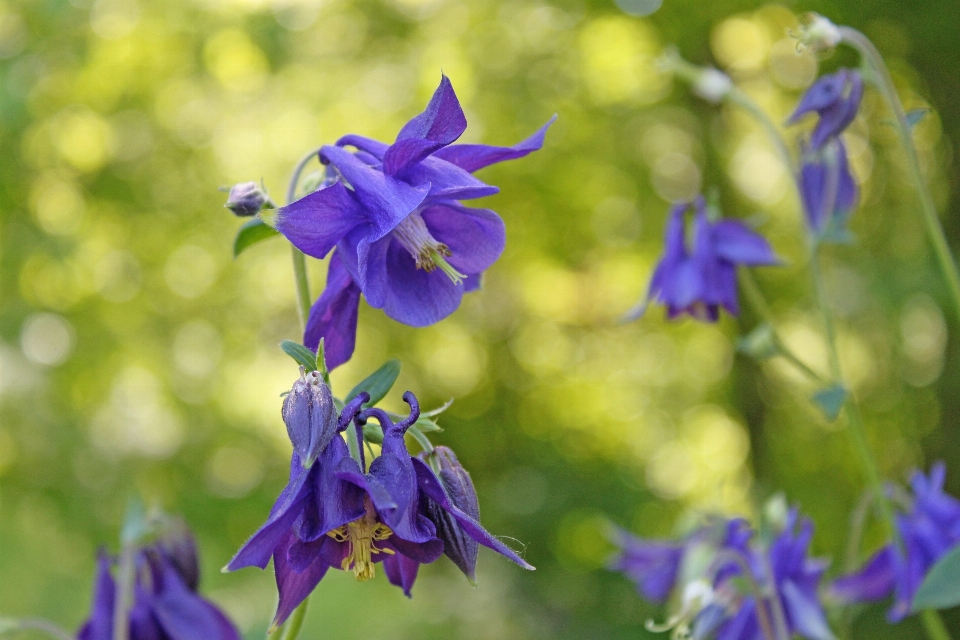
[
  {"x": 928, "y": 530},
  {"x": 701, "y": 279},
  {"x": 828, "y": 189},
  {"x": 706, "y": 570},
  {"x": 835, "y": 98},
  {"x": 165, "y": 603},
  {"x": 395, "y": 223}
]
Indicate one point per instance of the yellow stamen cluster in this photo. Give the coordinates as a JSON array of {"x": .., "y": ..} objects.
[{"x": 361, "y": 536}]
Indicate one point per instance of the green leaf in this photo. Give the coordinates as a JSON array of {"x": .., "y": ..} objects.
[
  {"x": 914, "y": 116},
  {"x": 373, "y": 433},
  {"x": 427, "y": 425},
  {"x": 303, "y": 356},
  {"x": 760, "y": 344},
  {"x": 251, "y": 233},
  {"x": 830, "y": 401},
  {"x": 378, "y": 383},
  {"x": 941, "y": 588},
  {"x": 435, "y": 412}
]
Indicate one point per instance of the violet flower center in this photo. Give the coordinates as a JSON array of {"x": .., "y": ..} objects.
[{"x": 427, "y": 252}]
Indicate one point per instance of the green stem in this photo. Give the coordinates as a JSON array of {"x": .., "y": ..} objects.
[
  {"x": 741, "y": 99},
  {"x": 885, "y": 84},
  {"x": 25, "y": 624},
  {"x": 933, "y": 625},
  {"x": 292, "y": 628},
  {"x": 299, "y": 260},
  {"x": 125, "y": 578},
  {"x": 421, "y": 438}
]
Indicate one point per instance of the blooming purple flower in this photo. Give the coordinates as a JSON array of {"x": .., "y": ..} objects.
[
  {"x": 700, "y": 281},
  {"x": 928, "y": 530},
  {"x": 827, "y": 188},
  {"x": 835, "y": 98},
  {"x": 393, "y": 218},
  {"x": 336, "y": 514},
  {"x": 707, "y": 569},
  {"x": 165, "y": 603}
]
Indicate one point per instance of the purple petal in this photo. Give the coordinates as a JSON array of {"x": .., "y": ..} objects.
[
  {"x": 441, "y": 123},
  {"x": 401, "y": 572},
  {"x": 183, "y": 615},
  {"x": 472, "y": 282},
  {"x": 333, "y": 316},
  {"x": 316, "y": 222},
  {"x": 735, "y": 242},
  {"x": 447, "y": 181},
  {"x": 872, "y": 582},
  {"x": 294, "y": 586},
  {"x": 100, "y": 624},
  {"x": 349, "y": 471},
  {"x": 651, "y": 564},
  {"x": 416, "y": 297},
  {"x": 822, "y": 94},
  {"x": 471, "y": 157},
  {"x": 368, "y": 145},
  {"x": 419, "y": 552},
  {"x": 256, "y": 552},
  {"x": 475, "y": 237},
  {"x": 337, "y": 502},
  {"x": 805, "y": 612},
  {"x": 431, "y": 486},
  {"x": 385, "y": 200}
]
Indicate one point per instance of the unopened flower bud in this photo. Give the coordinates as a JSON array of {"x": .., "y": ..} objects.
[
  {"x": 819, "y": 33},
  {"x": 457, "y": 545},
  {"x": 310, "y": 416},
  {"x": 712, "y": 85},
  {"x": 247, "y": 199},
  {"x": 179, "y": 547}
]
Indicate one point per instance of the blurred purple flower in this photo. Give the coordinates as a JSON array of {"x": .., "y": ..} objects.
[
  {"x": 165, "y": 603},
  {"x": 835, "y": 98},
  {"x": 828, "y": 189},
  {"x": 401, "y": 236},
  {"x": 700, "y": 281},
  {"x": 929, "y": 530}
]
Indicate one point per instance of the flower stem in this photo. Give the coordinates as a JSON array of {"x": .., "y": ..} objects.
[
  {"x": 299, "y": 260},
  {"x": 933, "y": 625},
  {"x": 125, "y": 578},
  {"x": 38, "y": 624},
  {"x": 292, "y": 629},
  {"x": 884, "y": 83}
]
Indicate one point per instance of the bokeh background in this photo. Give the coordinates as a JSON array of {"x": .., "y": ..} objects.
[{"x": 136, "y": 355}]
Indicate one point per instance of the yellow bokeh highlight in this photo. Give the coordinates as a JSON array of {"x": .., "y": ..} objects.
[
  {"x": 618, "y": 58},
  {"x": 233, "y": 59}
]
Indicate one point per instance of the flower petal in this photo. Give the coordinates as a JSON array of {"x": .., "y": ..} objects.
[
  {"x": 100, "y": 624},
  {"x": 333, "y": 316},
  {"x": 385, "y": 200},
  {"x": 294, "y": 586},
  {"x": 430, "y": 485},
  {"x": 368, "y": 145},
  {"x": 475, "y": 237},
  {"x": 471, "y": 157},
  {"x": 401, "y": 571},
  {"x": 441, "y": 123},
  {"x": 416, "y": 297},
  {"x": 316, "y": 222},
  {"x": 447, "y": 181},
  {"x": 805, "y": 612},
  {"x": 184, "y": 615},
  {"x": 735, "y": 242}
]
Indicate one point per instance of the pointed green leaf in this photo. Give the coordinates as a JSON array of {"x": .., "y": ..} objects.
[
  {"x": 914, "y": 116},
  {"x": 427, "y": 425},
  {"x": 830, "y": 401},
  {"x": 252, "y": 232},
  {"x": 378, "y": 383},
  {"x": 941, "y": 588},
  {"x": 303, "y": 356},
  {"x": 435, "y": 412},
  {"x": 760, "y": 344}
]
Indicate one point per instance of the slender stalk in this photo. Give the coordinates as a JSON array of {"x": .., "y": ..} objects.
[
  {"x": 741, "y": 99},
  {"x": 933, "y": 625},
  {"x": 292, "y": 628},
  {"x": 125, "y": 579},
  {"x": 299, "y": 260},
  {"x": 885, "y": 84},
  {"x": 38, "y": 624}
]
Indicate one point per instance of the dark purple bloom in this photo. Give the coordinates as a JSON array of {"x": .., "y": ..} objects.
[
  {"x": 652, "y": 565},
  {"x": 400, "y": 234},
  {"x": 928, "y": 530},
  {"x": 310, "y": 416},
  {"x": 165, "y": 604},
  {"x": 700, "y": 281},
  {"x": 827, "y": 188},
  {"x": 247, "y": 199},
  {"x": 835, "y": 98}
]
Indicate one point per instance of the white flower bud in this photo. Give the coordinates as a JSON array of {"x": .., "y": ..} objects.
[{"x": 712, "y": 85}]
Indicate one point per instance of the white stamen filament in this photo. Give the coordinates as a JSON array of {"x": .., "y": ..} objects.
[{"x": 427, "y": 252}]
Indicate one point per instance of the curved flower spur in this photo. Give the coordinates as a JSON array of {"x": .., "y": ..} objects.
[
  {"x": 337, "y": 512},
  {"x": 392, "y": 216}
]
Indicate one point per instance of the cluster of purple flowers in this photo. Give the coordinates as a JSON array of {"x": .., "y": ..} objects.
[
  {"x": 392, "y": 216},
  {"x": 709, "y": 569},
  {"x": 165, "y": 603},
  {"x": 338, "y": 512},
  {"x": 928, "y": 527}
]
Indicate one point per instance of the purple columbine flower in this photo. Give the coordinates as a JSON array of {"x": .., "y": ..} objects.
[
  {"x": 165, "y": 604},
  {"x": 394, "y": 218},
  {"x": 700, "y": 281},
  {"x": 835, "y": 98},
  {"x": 928, "y": 530},
  {"x": 828, "y": 189}
]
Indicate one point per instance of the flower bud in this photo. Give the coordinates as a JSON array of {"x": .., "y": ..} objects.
[
  {"x": 310, "y": 416},
  {"x": 178, "y": 546},
  {"x": 712, "y": 85},
  {"x": 457, "y": 545},
  {"x": 247, "y": 199},
  {"x": 820, "y": 33}
]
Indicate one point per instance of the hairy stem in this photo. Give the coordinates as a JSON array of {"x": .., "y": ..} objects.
[{"x": 884, "y": 83}]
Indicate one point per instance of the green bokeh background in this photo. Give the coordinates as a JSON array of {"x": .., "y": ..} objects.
[{"x": 136, "y": 355}]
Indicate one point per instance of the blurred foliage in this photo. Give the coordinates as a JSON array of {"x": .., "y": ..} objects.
[{"x": 137, "y": 355}]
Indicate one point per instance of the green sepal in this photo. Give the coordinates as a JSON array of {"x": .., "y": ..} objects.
[
  {"x": 252, "y": 232},
  {"x": 302, "y": 355},
  {"x": 914, "y": 116},
  {"x": 378, "y": 383},
  {"x": 941, "y": 588},
  {"x": 830, "y": 401}
]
